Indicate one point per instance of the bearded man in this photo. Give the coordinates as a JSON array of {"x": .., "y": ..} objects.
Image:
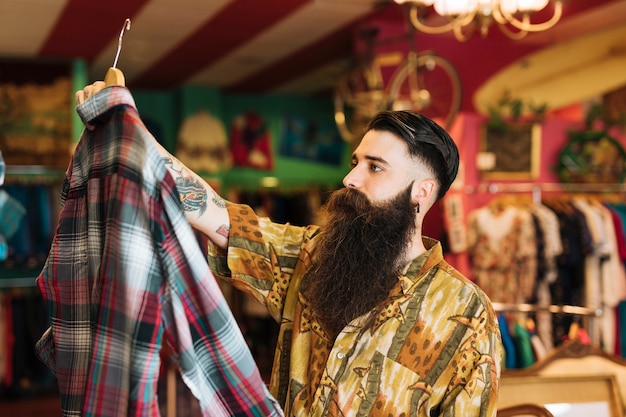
[{"x": 373, "y": 320}]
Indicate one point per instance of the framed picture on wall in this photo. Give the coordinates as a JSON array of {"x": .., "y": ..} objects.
[
  {"x": 509, "y": 152},
  {"x": 316, "y": 140}
]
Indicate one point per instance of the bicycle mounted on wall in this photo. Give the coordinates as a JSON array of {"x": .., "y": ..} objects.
[{"x": 422, "y": 81}]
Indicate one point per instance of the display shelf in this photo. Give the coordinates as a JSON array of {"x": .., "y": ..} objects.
[
  {"x": 25, "y": 282},
  {"x": 33, "y": 173},
  {"x": 18, "y": 276}
]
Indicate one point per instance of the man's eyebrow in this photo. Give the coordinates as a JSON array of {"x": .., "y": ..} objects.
[{"x": 372, "y": 158}]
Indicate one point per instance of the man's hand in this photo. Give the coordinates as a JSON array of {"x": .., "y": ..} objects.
[
  {"x": 88, "y": 91},
  {"x": 205, "y": 209}
]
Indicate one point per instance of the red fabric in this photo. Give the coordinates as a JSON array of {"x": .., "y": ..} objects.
[
  {"x": 619, "y": 234},
  {"x": 9, "y": 341}
]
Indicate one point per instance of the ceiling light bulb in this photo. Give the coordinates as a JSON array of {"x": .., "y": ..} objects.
[
  {"x": 425, "y": 3},
  {"x": 455, "y": 7},
  {"x": 531, "y": 5},
  {"x": 513, "y": 6},
  {"x": 509, "y": 6}
]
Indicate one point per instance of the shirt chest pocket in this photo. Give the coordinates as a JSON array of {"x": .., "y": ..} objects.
[{"x": 390, "y": 388}]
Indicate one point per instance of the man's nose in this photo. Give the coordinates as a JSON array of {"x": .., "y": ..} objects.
[{"x": 352, "y": 180}]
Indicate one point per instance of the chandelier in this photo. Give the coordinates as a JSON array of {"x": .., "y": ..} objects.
[{"x": 463, "y": 17}]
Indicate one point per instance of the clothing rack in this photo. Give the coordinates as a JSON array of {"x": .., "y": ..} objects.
[
  {"x": 537, "y": 188},
  {"x": 27, "y": 175}
]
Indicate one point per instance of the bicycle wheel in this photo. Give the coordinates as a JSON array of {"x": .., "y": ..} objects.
[
  {"x": 358, "y": 97},
  {"x": 428, "y": 84}
]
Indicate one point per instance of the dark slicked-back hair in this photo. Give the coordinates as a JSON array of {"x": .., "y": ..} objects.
[{"x": 426, "y": 140}]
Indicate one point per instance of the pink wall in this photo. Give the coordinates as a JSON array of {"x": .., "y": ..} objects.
[{"x": 466, "y": 132}]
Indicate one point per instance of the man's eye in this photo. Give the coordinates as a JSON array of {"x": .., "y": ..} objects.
[{"x": 375, "y": 168}]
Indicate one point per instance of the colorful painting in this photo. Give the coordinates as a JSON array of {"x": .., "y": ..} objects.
[{"x": 311, "y": 139}]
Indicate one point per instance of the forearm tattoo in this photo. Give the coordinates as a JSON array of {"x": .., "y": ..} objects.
[
  {"x": 192, "y": 194},
  {"x": 223, "y": 230},
  {"x": 218, "y": 201}
]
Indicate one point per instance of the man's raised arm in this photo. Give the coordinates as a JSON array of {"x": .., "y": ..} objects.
[{"x": 204, "y": 208}]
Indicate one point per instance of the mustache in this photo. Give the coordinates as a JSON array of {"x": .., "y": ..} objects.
[
  {"x": 349, "y": 203},
  {"x": 352, "y": 203},
  {"x": 350, "y": 197}
]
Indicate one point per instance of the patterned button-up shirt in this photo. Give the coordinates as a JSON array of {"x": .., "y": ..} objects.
[
  {"x": 433, "y": 349},
  {"x": 124, "y": 270}
]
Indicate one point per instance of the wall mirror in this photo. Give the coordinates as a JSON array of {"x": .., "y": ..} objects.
[{"x": 565, "y": 396}]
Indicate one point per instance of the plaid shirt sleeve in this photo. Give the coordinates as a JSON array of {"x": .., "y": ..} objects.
[{"x": 124, "y": 270}]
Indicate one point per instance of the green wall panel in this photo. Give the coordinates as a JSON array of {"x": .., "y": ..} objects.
[{"x": 169, "y": 108}]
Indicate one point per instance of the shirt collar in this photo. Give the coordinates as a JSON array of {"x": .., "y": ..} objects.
[
  {"x": 422, "y": 264},
  {"x": 104, "y": 100}
]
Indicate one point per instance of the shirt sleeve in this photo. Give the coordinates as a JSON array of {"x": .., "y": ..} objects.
[{"x": 263, "y": 257}]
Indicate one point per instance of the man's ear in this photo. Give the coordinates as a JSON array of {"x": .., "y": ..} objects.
[{"x": 422, "y": 192}]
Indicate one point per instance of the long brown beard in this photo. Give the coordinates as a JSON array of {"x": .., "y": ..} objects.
[{"x": 360, "y": 255}]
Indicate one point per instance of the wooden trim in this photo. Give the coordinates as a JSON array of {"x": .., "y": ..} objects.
[
  {"x": 572, "y": 349},
  {"x": 524, "y": 410}
]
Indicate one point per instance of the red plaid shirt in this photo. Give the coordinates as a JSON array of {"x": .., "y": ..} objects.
[{"x": 124, "y": 270}]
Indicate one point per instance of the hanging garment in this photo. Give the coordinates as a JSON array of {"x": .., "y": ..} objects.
[
  {"x": 613, "y": 279},
  {"x": 568, "y": 289},
  {"x": 22, "y": 242},
  {"x": 503, "y": 252},
  {"x": 11, "y": 214},
  {"x": 604, "y": 272},
  {"x": 124, "y": 270},
  {"x": 552, "y": 248},
  {"x": 8, "y": 340},
  {"x": 598, "y": 255},
  {"x": 618, "y": 226},
  {"x": 510, "y": 352},
  {"x": 3, "y": 336},
  {"x": 523, "y": 344}
]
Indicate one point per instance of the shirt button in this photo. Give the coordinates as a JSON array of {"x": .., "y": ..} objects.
[{"x": 340, "y": 355}]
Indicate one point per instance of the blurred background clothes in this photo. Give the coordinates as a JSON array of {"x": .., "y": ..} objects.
[{"x": 11, "y": 214}]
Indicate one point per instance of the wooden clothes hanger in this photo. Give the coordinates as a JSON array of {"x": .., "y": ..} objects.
[{"x": 115, "y": 76}]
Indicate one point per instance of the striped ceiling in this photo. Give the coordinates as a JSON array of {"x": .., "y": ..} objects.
[
  {"x": 244, "y": 45},
  {"x": 249, "y": 46}
]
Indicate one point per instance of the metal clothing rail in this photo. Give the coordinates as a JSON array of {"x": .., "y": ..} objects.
[
  {"x": 537, "y": 188},
  {"x": 526, "y": 187},
  {"x": 564, "y": 309}
]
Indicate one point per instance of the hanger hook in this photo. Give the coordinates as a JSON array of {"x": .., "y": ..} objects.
[{"x": 119, "y": 42}]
